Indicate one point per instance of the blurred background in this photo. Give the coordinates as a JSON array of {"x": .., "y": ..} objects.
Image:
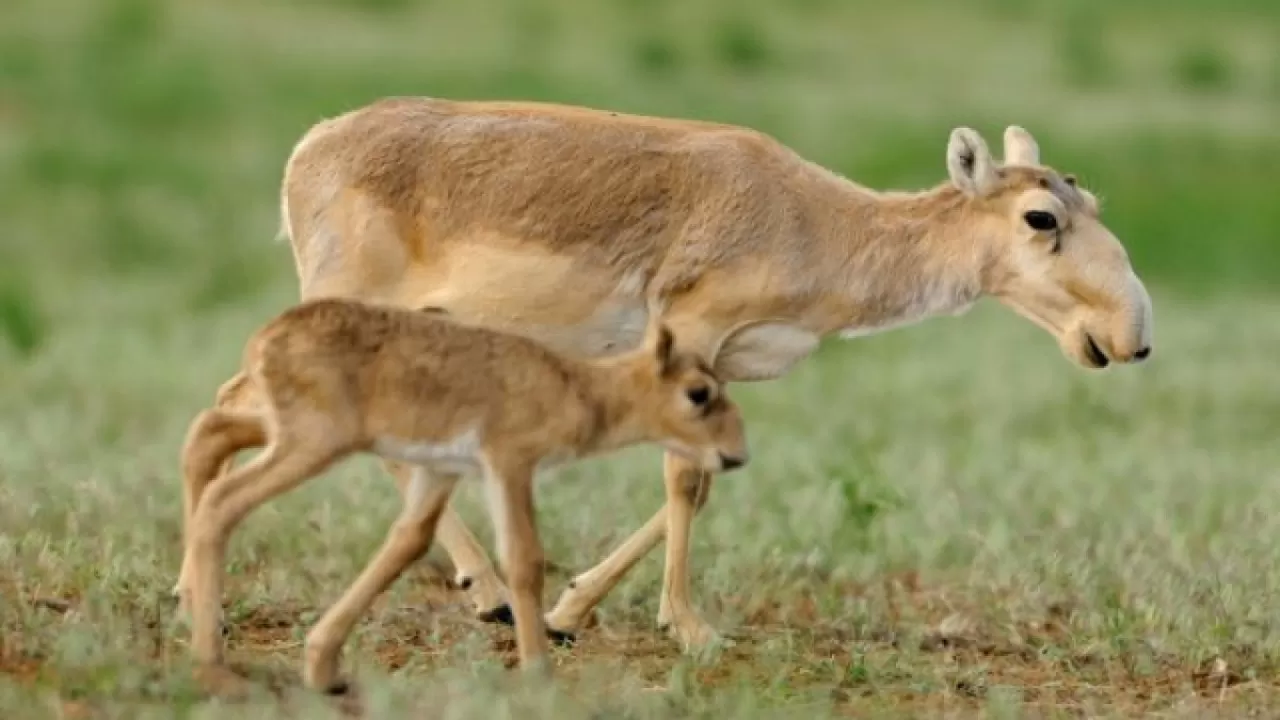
[{"x": 141, "y": 141}]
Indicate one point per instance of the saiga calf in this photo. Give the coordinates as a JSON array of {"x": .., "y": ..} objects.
[{"x": 336, "y": 377}]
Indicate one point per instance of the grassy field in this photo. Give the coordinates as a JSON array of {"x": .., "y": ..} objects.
[{"x": 944, "y": 521}]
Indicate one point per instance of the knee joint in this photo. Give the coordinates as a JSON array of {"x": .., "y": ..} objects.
[
  {"x": 689, "y": 484},
  {"x": 208, "y": 531}
]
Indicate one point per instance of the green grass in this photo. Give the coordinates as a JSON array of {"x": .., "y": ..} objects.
[{"x": 944, "y": 520}]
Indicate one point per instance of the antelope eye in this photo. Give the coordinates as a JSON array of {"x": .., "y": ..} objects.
[
  {"x": 699, "y": 395},
  {"x": 1040, "y": 220}
]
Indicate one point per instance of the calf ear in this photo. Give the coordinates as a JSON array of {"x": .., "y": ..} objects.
[
  {"x": 664, "y": 348},
  {"x": 969, "y": 162},
  {"x": 1019, "y": 147}
]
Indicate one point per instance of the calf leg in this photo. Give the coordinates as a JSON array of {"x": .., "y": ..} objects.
[
  {"x": 426, "y": 497},
  {"x": 475, "y": 574},
  {"x": 213, "y": 439},
  {"x": 510, "y": 490},
  {"x": 283, "y": 466}
]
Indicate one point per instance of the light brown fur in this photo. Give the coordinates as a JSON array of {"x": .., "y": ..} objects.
[
  {"x": 331, "y": 377},
  {"x": 573, "y": 225}
]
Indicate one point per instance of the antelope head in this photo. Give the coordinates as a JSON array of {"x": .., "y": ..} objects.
[{"x": 1049, "y": 257}]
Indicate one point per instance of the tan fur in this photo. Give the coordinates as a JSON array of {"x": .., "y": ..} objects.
[
  {"x": 573, "y": 225},
  {"x": 331, "y": 377}
]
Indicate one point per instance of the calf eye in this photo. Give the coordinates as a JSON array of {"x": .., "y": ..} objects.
[
  {"x": 699, "y": 396},
  {"x": 1041, "y": 220}
]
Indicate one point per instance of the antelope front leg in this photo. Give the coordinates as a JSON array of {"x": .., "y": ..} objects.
[
  {"x": 475, "y": 574},
  {"x": 687, "y": 490},
  {"x": 687, "y": 486},
  {"x": 587, "y": 590}
]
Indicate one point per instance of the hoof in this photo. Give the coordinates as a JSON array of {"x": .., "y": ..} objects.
[
  {"x": 562, "y": 638},
  {"x": 500, "y": 615},
  {"x": 698, "y": 640}
]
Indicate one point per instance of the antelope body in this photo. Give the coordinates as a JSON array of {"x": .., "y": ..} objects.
[
  {"x": 336, "y": 377},
  {"x": 575, "y": 226}
]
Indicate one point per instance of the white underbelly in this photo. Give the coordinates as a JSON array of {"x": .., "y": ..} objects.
[{"x": 458, "y": 456}]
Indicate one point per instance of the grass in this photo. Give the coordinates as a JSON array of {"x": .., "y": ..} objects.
[
  {"x": 949, "y": 528},
  {"x": 948, "y": 520}
]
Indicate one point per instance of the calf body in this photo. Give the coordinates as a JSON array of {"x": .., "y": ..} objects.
[{"x": 330, "y": 378}]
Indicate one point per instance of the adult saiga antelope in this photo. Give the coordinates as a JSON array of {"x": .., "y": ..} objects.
[{"x": 571, "y": 225}]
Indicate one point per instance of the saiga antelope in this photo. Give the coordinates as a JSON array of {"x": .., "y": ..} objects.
[
  {"x": 571, "y": 225},
  {"x": 337, "y": 377}
]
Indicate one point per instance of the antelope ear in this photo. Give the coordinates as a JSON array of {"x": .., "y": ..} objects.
[
  {"x": 969, "y": 162},
  {"x": 1019, "y": 147}
]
